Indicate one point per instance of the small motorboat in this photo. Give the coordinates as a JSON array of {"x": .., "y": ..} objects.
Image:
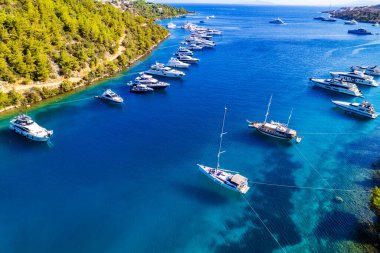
[{"x": 110, "y": 96}]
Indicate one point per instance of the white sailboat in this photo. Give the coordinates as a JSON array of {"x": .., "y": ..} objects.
[{"x": 231, "y": 180}]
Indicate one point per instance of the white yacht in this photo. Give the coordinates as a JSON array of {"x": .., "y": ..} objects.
[
  {"x": 275, "y": 129},
  {"x": 231, "y": 180},
  {"x": 193, "y": 47},
  {"x": 356, "y": 77},
  {"x": 351, "y": 22},
  {"x": 187, "y": 59},
  {"x": 184, "y": 50},
  {"x": 25, "y": 126},
  {"x": 277, "y": 21},
  {"x": 140, "y": 88},
  {"x": 372, "y": 71},
  {"x": 149, "y": 81},
  {"x": 171, "y": 25},
  {"x": 160, "y": 69},
  {"x": 337, "y": 85},
  {"x": 364, "y": 108},
  {"x": 175, "y": 63},
  {"x": 111, "y": 96},
  {"x": 375, "y": 24},
  {"x": 213, "y": 32}
]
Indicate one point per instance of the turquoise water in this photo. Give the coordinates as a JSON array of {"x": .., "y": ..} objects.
[{"x": 124, "y": 179}]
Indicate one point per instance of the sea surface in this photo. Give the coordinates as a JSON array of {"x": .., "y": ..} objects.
[{"x": 124, "y": 178}]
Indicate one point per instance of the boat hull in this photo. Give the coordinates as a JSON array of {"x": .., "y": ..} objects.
[
  {"x": 30, "y": 136},
  {"x": 346, "y": 108},
  {"x": 326, "y": 86}
]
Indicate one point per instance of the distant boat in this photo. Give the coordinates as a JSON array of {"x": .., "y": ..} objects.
[
  {"x": 375, "y": 24},
  {"x": 202, "y": 21},
  {"x": 110, "y": 96},
  {"x": 325, "y": 19},
  {"x": 364, "y": 108},
  {"x": 275, "y": 129},
  {"x": 231, "y": 180},
  {"x": 360, "y": 31},
  {"x": 171, "y": 25},
  {"x": 277, "y": 21},
  {"x": 25, "y": 126},
  {"x": 351, "y": 22}
]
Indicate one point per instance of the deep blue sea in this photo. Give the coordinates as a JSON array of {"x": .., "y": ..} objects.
[{"x": 118, "y": 179}]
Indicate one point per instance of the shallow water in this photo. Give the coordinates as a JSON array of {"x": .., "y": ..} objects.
[{"x": 124, "y": 178}]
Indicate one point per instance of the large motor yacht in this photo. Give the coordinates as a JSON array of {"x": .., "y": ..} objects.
[
  {"x": 360, "y": 31},
  {"x": 25, "y": 126},
  {"x": 337, "y": 85},
  {"x": 193, "y": 47},
  {"x": 184, "y": 50},
  {"x": 356, "y": 77},
  {"x": 275, "y": 129},
  {"x": 140, "y": 88},
  {"x": 175, "y": 63},
  {"x": 364, "y": 108},
  {"x": 187, "y": 59},
  {"x": 149, "y": 81},
  {"x": 228, "y": 179},
  {"x": 277, "y": 21},
  {"x": 372, "y": 71},
  {"x": 110, "y": 96},
  {"x": 160, "y": 69}
]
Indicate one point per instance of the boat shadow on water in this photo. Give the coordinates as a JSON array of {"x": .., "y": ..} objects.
[{"x": 253, "y": 137}]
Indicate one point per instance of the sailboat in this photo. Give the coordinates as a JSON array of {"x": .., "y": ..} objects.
[
  {"x": 231, "y": 180},
  {"x": 275, "y": 129}
]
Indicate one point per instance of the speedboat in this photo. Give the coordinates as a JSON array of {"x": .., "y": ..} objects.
[
  {"x": 184, "y": 50},
  {"x": 160, "y": 69},
  {"x": 149, "y": 81},
  {"x": 175, "y": 63},
  {"x": 356, "y": 77},
  {"x": 171, "y": 25},
  {"x": 372, "y": 71},
  {"x": 360, "y": 31},
  {"x": 187, "y": 59},
  {"x": 337, "y": 85},
  {"x": 228, "y": 179},
  {"x": 364, "y": 108},
  {"x": 277, "y": 21},
  {"x": 110, "y": 96},
  {"x": 25, "y": 126},
  {"x": 351, "y": 22},
  {"x": 275, "y": 129},
  {"x": 141, "y": 88}
]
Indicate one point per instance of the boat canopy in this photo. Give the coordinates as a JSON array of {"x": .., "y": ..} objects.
[{"x": 238, "y": 179}]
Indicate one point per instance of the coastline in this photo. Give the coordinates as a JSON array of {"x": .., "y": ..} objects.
[{"x": 79, "y": 85}]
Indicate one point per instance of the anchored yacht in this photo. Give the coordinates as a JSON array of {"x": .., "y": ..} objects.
[
  {"x": 231, "y": 180},
  {"x": 187, "y": 59},
  {"x": 184, "y": 50},
  {"x": 175, "y": 63},
  {"x": 275, "y": 129},
  {"x": 149, "y": 81},
  {"x": 356, "y": 77},
  {"x": 351, "y": 22},
  {"x": 364, "y": 108},
  {"x": 171, "y": 25},
  {"x": 372, "y": 71},
  {"x": 160, "y": 69},
  {"x": 110, "y": 96},
  {"x": 337, "y": 85},
  {"x": 277, "y": 21},
  {"x": 25, "y": 126},
  {"x": 140, "y": 88},
  {"x": 360, "y": 31},
  {"x": 193, "y": 47}
]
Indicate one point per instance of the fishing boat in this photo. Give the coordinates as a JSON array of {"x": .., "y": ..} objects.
[
  {"x": 228, "y": 179},
  {"x": 275, "y": 129},
  {"x": 364, "y": 108},
  {"x": 25, "y": 126},
  {"x": 110, "y": 96}
]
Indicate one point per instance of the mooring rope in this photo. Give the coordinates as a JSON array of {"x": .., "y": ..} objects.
[{"x": 262, "y": 222}]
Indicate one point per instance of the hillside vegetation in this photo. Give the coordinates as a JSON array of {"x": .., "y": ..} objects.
[{"x": 369, "y": 14}]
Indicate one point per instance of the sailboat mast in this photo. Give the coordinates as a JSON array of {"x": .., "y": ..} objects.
[
  {"x": 289, "y": 117},
  {"x": 266, "y": 115},
  {"x": 221, "y": 139}
]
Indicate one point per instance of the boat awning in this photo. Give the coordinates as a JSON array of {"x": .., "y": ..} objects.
[{"x": 238, "y": 179}]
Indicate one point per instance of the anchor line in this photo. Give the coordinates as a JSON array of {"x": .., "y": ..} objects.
[{"x": 262, "y": 222}]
